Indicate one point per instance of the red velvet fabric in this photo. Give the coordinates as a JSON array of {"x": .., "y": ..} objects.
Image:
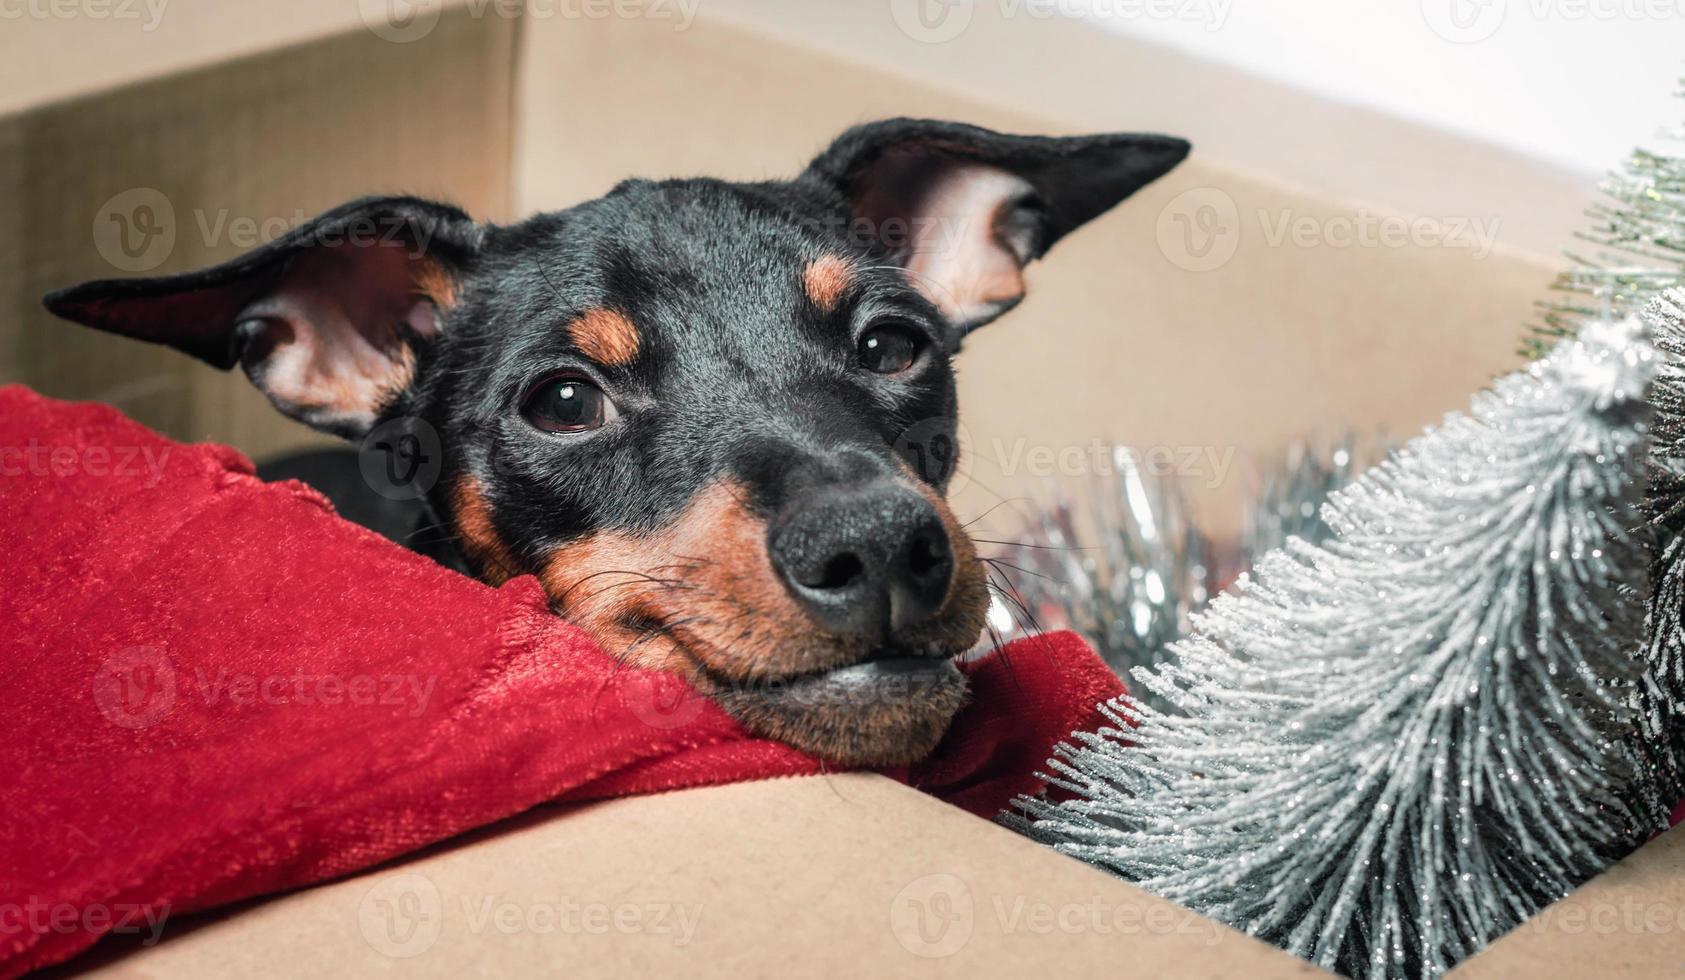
[{"x": 215, "y": 688}]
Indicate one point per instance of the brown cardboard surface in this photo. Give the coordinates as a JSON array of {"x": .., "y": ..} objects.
[
  {"x": 850, "y": 875},
  {"x": 56, "y": 50},
  {"x": 1627, "y": 922},
  {"x": 219, "y": 159},
  {"x": 1126, "y": 335},
  {"x": 1014, "y": 54}
]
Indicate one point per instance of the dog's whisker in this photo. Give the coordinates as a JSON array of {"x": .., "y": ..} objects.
[
  {"x": 996, "y": 506},
  {"x": 656, "y": 631},
  {"x": 638, "y": 576},
  {"x": 1026, "y": 544},
  {"x": 999, "y": 562}
]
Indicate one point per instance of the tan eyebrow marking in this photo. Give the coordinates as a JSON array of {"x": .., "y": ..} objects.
[
  {"x": 605, "y": 336},
  {"x": 826, "y": 279}
]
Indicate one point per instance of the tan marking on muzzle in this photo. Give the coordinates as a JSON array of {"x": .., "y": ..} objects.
[
  {"x": 702, "y": 588},
  {"x": 472, "y": 513},
  {"x": 605, "y": 336}
]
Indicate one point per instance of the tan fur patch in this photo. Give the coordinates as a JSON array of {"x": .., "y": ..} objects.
[
  {"x": 480, "y": 539},
  {"x": 433, "y": 282},
  {"x": 826, "y": 279},
  {"x": 703, "y": 588},
  {"x": 605, "y": 336}
]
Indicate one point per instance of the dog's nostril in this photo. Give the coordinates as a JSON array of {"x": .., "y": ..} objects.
[
  {"x": 928, "y": 554},
  {"x": 840, "y": 572}
]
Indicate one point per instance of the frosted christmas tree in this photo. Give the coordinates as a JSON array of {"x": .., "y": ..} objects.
[{"x": 1385, "y": 750}]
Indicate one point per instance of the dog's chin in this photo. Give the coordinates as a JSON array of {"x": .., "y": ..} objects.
[{"x": 884, "y": 711}]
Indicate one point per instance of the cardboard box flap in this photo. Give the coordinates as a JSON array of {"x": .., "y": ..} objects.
[{"x": 848, "y": 875}]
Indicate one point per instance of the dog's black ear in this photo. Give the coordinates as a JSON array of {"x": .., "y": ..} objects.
[
  {"x": 328, "y": 320},
  {"x": 964, "y": 209}
]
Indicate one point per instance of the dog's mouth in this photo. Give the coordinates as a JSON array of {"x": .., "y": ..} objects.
[
  {"x": 891, "y": 707},
  {"x": 886, "y": 667},
  {"x": 882, "y": 705}
]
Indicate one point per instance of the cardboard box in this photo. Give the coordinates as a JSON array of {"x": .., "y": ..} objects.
[
  {"x": 167, "y": 155},
  {"x": 1280, "y": 324}
]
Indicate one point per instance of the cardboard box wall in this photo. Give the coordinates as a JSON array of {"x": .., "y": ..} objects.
[
  {"x": 182, "y": 162},
  {"x": 1117, "y": 341}
]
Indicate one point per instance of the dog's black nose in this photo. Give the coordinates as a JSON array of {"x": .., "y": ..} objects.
[{"x": 869, "y": 560}]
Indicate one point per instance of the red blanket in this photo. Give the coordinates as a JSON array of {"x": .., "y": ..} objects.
[{"x": 215, "y": 688}]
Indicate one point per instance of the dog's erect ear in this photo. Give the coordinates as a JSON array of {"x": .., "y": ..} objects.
[
  {"x": 964, "y": 209},
  {"x": 328, "y": 320}
]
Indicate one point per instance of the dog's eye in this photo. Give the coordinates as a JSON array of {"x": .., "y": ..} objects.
[
  {"x": 889, "y": 349},
  {"x": 567, "y": 405}
]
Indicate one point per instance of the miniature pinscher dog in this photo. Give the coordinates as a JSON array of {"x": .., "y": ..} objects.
[{"x": 684, "y": 406}]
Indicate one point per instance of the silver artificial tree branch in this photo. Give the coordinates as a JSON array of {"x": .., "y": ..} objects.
[{"x": 1387, "y": 749}]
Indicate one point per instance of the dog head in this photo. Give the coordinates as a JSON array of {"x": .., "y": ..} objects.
[{"x": 707, "y": 416}]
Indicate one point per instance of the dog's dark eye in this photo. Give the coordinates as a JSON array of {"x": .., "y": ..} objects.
[
  {"x": 889, "y": 349},
  {"x": 567, "y": 405}
]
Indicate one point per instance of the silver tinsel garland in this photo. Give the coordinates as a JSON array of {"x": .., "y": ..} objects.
[
  {"x": 1388, "y": 749},
  {"x": 1130, "y": 566}
]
